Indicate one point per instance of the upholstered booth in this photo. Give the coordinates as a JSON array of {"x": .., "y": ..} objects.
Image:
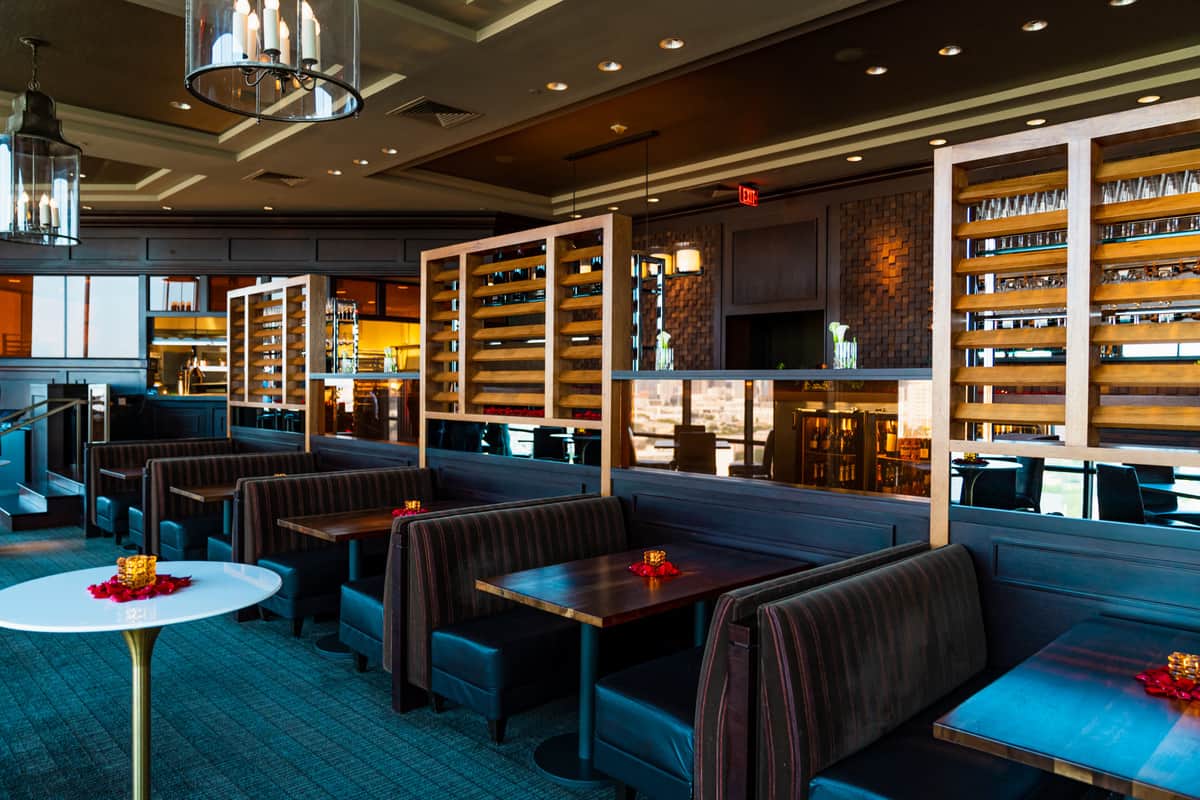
[
  {"x": 365, "y": 609},
  {"x": 475, "y": 648},
  {"x": 186, "y": 538},
  {"x": 163, "y": 505},
  {"x": 849, "y": 696},
  {"x": 137, "y": 526},
  {"x": 313, "y": 571},
  {"x": 675, "y": 727},
  {"x": 109, "y": 499}
]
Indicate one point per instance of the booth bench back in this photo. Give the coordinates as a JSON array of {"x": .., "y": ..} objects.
[
  {"x": 447, "y": 554},
  {"x": 135, "y": 454},
  {"x": 845, "y": 664},
  {"x": 163, "y": 473},
  {"x": 259, "y": 502}
]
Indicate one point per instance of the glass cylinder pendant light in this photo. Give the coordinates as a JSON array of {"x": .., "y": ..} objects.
[
  {"x": 39, "y": 171},
  {"x": 282, "y": 60}
]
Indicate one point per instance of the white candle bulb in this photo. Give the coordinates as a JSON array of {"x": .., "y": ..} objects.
[
  {"x": 44, "y": 210},
  {"x": 53, "y": 214},
  {"x": 317, "y": 35},
  {"x": 252, "y": 27},
  {"x": 308, "y": 33},
  {"x": 285, "y": 43},
  {"x": 241, "y": 13},
  {"x": 23, "y": 210},
  {"x": 271, "y": 25}
]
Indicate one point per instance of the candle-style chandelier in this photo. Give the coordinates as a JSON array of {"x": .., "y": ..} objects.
[
  {"x": 39, "y": 170},
  {"x": 282, "y": 60}
]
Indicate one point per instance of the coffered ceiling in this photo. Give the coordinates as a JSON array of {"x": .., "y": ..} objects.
[{"x": 771, "y": 90}]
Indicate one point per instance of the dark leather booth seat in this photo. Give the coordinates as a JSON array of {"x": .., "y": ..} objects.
[
  {"x": 480, "y": 651},
  {"x": 360, "y": 623},
  {"x": 693, "y": 742},
  {"x": 137, "y": 535},
  {"x": 112, "y": 513},
  {"x": 187, "y": 539},
  {"x": 312, "y": 570},
  {"x": 106, "y": 455},
  {"x": 849, "y": 695}
]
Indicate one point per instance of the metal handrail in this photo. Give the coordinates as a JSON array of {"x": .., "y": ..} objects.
[{"x": 83, "y": 434}]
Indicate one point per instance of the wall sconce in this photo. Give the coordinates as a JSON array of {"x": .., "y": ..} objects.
[
  {"x": 666, "y": 259},
  {"x": 687, "y": 259}
]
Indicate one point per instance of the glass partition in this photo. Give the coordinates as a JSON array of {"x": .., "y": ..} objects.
[
  {"x": 870, "y": 435},
  {"x": 377, "y": 409}
]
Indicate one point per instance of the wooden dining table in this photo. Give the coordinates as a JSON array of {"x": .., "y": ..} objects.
[
  {"x": 601, "y": 592},
  {"x": 124, "y": 473},
  {"x": 216, "y": 493},
  {"x": 1076, "y": 709}
]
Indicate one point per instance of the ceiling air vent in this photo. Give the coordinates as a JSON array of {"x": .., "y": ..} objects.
[
  {"x": 715, "y": 191},
  {"x": 434, "y": 113},
  {"x": 277, "y": 178}
]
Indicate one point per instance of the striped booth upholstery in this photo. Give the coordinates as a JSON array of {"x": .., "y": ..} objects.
[
  {"x": 313, "y": 570},
  {"x": 108, "y": 499},
  {"x": 854, "y": 673},
  {"x": 163, "y": 473},
  {"x": 457, "y": 635},
  {"x": 711, "y": 752}
]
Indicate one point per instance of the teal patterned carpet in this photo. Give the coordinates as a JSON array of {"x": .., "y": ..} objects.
[{"x": 240, "y": 711}]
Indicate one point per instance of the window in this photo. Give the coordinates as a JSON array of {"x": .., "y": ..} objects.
[
  {"x": 220, "y": 285},
  {"x": 174, "y": 293},
  {"x": 363, "y": 292},
  {"x": 55, "y": 316},
  {"x": 402, "y": 300}
]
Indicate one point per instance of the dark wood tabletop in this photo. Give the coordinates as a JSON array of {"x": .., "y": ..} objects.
[
  {"x": 603, "y": 592},
  {"x": 345, "y": 526},
  {"x": 217, "y": 493},
  {"x": 1075, "y": 709},
  {"x": 123, "y": 473}
]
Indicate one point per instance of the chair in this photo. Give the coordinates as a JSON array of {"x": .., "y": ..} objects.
[
  {"x": 762, "y": 470},
  {"x": 548, "y": 447},
  {"x": 991, "y": 489},
  {"x": 696, "y": 452},
  {"x": 1119, "y": 496},
  {"x": 688, "y": 429},
  {"x": 1155, "y": 502},
  {"x": 634, "y": 461},
  {"x": 1029, "y": 483}
]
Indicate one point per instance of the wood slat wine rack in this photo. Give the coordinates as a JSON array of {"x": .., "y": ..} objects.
[
  {"x": 1048, "y": 246},
  {"x": 276, "y": 337},
  {"x": 527, "y": 327}
]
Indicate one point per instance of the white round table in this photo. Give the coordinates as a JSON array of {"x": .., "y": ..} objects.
[{"x": 62, "y": 604}]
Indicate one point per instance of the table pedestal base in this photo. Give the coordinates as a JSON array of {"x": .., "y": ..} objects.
[
  {"x": 141, "y": 648},
  {"x": 331, "y": 647},
  {"x": 558, "y": 759}
]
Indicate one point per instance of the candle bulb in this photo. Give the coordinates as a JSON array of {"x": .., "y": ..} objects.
[
  {"x": 270, "y": 23},
  {"x": 252, "y": 26},
  {"x": 241, "y": 14},
  {"x": 53, "y": 214},
  {"x": 23, "y": 210},
  {"x": 308, "y": 34},
  {"x": 44, "y": 211},
  {"x": 285, "y": 43}
]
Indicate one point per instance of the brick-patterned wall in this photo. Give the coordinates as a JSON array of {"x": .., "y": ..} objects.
[
  {"x": 887, "y": 278},
  {"x": 689, "y": 300}
]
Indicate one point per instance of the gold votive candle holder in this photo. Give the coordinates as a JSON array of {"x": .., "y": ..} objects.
[
  {"x": 654, "y": 558},
  {"x": 1184, "y": 665},
  {"x": 136, "y": 571},
  {"x": 412, "y": 505}
]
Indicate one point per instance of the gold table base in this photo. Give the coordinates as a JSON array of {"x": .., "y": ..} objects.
[{"x": 141, "y": 648}]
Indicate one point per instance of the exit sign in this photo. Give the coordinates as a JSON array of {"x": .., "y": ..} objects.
[{"x": 747, "y": 195}]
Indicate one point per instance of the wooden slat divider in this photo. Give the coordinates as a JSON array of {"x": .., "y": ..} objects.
[
  {"x": 583, "y": 278},
  {"x": 1147, "y": 291},
  {"x": 445, "y": 377},
  {"x": 1009, "y": 226},
  {"x": 1027, "y": 375},
  {"x": 581, "y": 401},
  {"x": 576, "y": 376},
  {"x": 1031, "y": 262},
  {"x": 1144, "y": 251},
  {"x": 1009, "y": 187},
  {"x": 444, "y": 316},
  {"x": 508, "y": 354},
  {"x": 1015, "y": 413},
  {"x": 445, "y": 397},
  {"x": 510, "y": 376},
  {"x": 445, "y": 336},
  {"x": 1147, "y": 375},
  {"x": 513, "y": 310},
  {"x": 445, "y": 295},
  {"x": 508, "y": 265},
  {"x": 1012, "y": 337},
  {"x": 582, "y": 328},
  {"x": 1148, "y": 165},
  {"x": 1158, "y": 418},
  {"x": 509, "y": 332},
  {"x": 508, "y": 399},
  {"x": 582, "y": 303},
  {"x": 445, "y": 357},
  {"x": 581, "y": 352},
  {"x": 581, "y": 254},
  {"x": 445, "y": 276},
  {"x": 1152, "y": 208},
  {"x": 1146, "y": 333},
  {"x": 531, "y": 285},
  {"x": 1010, "y": 301}
]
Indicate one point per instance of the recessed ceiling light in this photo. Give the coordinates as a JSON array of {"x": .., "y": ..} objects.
[
  {"x": 167, "y": 208},
  {"x": 1035, "y": 25},
  {"x": 361, "y": 162},
  {"x": 182, "y": 106},
  {"x": 876, "y": 70},
  {"x": 388, "y": 151},
  {"x": 334, "y": 172},
  {"x": 937, "y": 142},
  {"x": 86, "y": 208},
  {"x": 671, "y": 43},
  {"x": 618, "y": 128},
  {"x": 609, "y": 66},
  {"x": 1146, "y": 99},
  {"x": 268, "y": 208},
  {"x": 614, "y": 208},
  {"x": 854, "y": 159},
  {"x": 82, "y": 175},
  {"x": 950, "y": 50},
  {"x": 651, "y": 199},
  {"x": 1120, "y": 3},
  {"x": 1033, "y": 123},
  {"x": 577, "y": 216},
  {"x": 557, "y": 86},
  {"x": 18, "y": 280}
]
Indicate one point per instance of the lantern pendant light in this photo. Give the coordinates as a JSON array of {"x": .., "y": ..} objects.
[
  {"x": 39, "y": 171},
  {"x": 281, "y": 60}
]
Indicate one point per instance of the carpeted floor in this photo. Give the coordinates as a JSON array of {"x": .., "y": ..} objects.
[{"x": 240, "y": 711}]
